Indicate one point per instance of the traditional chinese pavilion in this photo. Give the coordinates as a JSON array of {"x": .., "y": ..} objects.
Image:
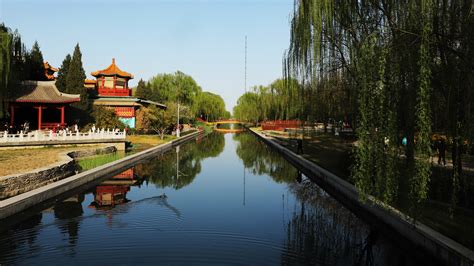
[
  {"x": 41, "y": 104},
  {"x": 112, "y": 91}
]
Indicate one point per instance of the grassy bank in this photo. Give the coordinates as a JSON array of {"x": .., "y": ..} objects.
[{"x": 24, "y": 160}]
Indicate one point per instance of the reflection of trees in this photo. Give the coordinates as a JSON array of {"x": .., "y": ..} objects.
[
  {"x": 66, "y": 212},
  {"x": 210, "y": 145},
  {"x": 229, "y": 126},
  {"x": 260, "y": 159},
  {"x": 322, "y": 231},
  {"x": 19, "y": 239},
  {"x": 178, "y": 168}
]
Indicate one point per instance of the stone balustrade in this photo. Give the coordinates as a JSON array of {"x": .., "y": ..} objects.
[{"x": 62, "y": 136}]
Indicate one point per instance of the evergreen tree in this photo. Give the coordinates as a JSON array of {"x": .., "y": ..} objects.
[
  {"x": 61, "y": 81},
  {"x": 35, "y": 63},
  {"x": 143, "y": 90},
  {"x": 75, "y": 79}
]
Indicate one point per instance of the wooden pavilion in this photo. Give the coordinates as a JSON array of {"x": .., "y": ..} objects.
[
  {"x": 111, "y": 90},
  {"x": 42, "y": 98}
]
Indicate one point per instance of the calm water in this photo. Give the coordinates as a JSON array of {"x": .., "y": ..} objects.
[{"x": 230, "y": 200}]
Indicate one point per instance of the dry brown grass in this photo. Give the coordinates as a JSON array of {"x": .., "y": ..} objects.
[{"x": 24, "y": 160}]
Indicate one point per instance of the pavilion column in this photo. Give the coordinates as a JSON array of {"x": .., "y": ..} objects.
[
  {"x": 40, "y": 114},
  {"x": 62, "y": 115},
  {"x": 40, "y": 111},
  {"x": 12, "y": 114}
]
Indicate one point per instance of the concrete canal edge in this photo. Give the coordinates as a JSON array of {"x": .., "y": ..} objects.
[
  {"x": 419, "y": 235},
  {"x": 22, "y": 202}
]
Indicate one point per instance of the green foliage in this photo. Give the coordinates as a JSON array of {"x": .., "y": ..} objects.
[
  {"x": 143, "y": 90},
  {"x": 276, "y": 101},
  {"x": 183, "y": 89},
  {"x": 75, "y": 80},
  {"x": 12, "y": 65},
  {"x": 174, "y": 87},
  {"x": 88, "y": 163},
  {"x": 210, "y": 106},
  {"x": 387, "y": 64},
  {"x": 61, "y": 81},
  {"x": 35, "y": 63},
  {"x": 158, "y": 120},
  {"x": 105, "y": 118},
  {"x": 5, "y": 58}
]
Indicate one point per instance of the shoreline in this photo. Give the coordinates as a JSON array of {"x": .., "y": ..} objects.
[
  {"x": 22, "y": 202},
  {"x": 419, "y": 235}
]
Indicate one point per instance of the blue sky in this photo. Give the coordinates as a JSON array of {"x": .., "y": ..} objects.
[{"x": 202, "y": 38}]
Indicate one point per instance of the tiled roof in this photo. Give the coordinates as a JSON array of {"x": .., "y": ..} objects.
[
  {"x": 42, "y": 92},
  {"x": 125, "y": 101},
  {"x": 112, "y": 70}
]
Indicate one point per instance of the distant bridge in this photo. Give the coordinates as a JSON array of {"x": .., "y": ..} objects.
[{"x": 228, "y": 121}]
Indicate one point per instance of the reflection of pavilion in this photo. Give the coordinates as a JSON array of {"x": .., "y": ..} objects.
[{"x": 114, "y": 191}]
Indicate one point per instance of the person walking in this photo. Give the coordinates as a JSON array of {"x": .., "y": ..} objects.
[
  {"x": 441, "y": 151},
  {"x": 299, "y": 145}
]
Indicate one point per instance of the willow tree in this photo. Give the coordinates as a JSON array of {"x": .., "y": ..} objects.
[
  {"x": 5, "y": 58},
  {"x": 379, "y": 53}
]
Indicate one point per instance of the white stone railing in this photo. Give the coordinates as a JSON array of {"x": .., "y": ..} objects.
[{"x": 62, "y": 136}]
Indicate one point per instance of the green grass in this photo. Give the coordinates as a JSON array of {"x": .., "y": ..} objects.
[{"x": 88, "y": 163}]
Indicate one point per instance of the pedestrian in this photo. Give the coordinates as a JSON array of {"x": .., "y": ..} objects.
[
  {"x": 441, "y": 151},
  {"x": 299, "y": 148}
]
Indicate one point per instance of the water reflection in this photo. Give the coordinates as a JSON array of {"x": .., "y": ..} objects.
[
  {"x": 67, "y": 214},
  {"x": 22, "y": 236},
  {"x": 229, "y": 128},
  {"x": 260, "y": 159},
  {"x": 178, "y": 168},
  {"x": 113, "y": 191},
  {"x": 321, "y": 231},
  {"x": 283, "y": 218}
]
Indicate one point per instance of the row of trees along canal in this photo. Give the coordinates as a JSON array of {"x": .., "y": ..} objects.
[
  {"x": 172, "y": 89},
  {"x": 18, "y": 63},
  {"x": 394, "y": 69}
]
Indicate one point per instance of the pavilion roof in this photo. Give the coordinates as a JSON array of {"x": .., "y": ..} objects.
[
  {"x": 125, "y": 101},
  {"x": 49, "y": 71},
  {"x": 42, "y": 92},
  {"x": 112, "y": 70},
  {"x": 47, "y": 66}
]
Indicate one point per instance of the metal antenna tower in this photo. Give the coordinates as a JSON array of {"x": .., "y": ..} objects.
[{"x": 245, "y": 84}]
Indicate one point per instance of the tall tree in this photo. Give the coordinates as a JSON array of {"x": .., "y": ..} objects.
[
  {"x": 5, "y": 52},
  {"x": 143, "y": 90},
  {"x": 75, "y": 79},
  {"x": 35, "y": 63},
  {"x": 61, "y": 81},
  {"x": 400, "y": 59}
]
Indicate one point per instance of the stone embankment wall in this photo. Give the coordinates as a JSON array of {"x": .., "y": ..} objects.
[{"x": 13, "y": 185}]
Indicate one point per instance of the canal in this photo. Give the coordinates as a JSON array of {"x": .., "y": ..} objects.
[{"x": 229, "y": 199}]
